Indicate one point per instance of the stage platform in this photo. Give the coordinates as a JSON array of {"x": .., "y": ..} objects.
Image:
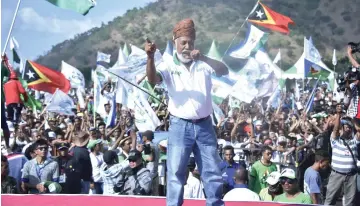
[{"x": 101, "y": 200}]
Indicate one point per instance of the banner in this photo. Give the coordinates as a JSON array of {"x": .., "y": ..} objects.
[{"x": 95, "y": 200}]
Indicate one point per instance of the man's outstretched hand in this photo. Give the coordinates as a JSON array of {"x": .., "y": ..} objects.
[{"x": 150, "y": 48}]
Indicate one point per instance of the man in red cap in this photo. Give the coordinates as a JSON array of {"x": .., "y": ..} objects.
[
  {"x": 188, "y": 80},
  {"x": 14, "y": 104}
]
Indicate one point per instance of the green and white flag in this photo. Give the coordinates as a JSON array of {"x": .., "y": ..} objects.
[
  {"x": 81, "y": 6},
  {"x": 255, "y": 39}
]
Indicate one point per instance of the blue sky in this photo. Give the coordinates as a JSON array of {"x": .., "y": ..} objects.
[{"x": 40, "y": 25}]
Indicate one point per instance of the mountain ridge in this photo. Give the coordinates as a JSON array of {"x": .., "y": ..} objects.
[{"x": 217, "y": 20}]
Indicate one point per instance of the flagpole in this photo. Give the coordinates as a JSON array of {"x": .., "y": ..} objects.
[
  {"x": 138, "y": 88},
  {"x": 11, "y": 27},
  {"x": 252, "y": 11}
]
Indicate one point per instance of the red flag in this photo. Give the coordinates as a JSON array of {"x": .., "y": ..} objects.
[
  {"x": 41, "y": 78},
  {"x": 264, "y": 16}
]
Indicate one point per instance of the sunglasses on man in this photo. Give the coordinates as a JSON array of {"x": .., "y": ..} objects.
[{"x": 288, "y": 180}]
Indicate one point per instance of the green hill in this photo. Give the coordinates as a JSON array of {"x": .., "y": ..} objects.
[{"x": 330, "y": 23}]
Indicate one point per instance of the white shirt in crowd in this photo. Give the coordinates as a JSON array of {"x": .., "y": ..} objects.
[
  {"x": 241, "y": 194},
  {"x": 193, "y": 188},
  {"x": 189, "y": 90},
  {"x": 96, "y": 162}
]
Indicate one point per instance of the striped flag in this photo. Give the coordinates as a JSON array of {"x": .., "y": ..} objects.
[{"x": 311, "y": 99}]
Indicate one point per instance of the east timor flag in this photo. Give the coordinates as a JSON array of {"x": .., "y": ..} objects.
[
  {"x": 41, "y": 78},
  {"x": 264, "y": 16}
]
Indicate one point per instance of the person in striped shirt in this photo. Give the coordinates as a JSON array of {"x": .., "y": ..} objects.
[{"x": 343, "y": 172}]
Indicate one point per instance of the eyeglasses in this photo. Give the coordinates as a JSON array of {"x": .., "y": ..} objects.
[
  {"x": 289, "y": 181},
  {"x": 132, "y": 160},
  {"x": 42, "y": 148}
]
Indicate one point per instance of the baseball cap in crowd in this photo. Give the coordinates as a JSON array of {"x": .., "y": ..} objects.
[
  {"x": 134, "y": 155},
  {"x": 288, "y": 173},
  {"x": 273, "y": 178},
  {"x": 93, "y": 143},
  {"x": 92, "y": 129},
  {"x": 110, "y": 157},
  {"x": 258, "y": 123},
  {"x": 53, "y": 187},
  {"x": 63, "y": 146}
]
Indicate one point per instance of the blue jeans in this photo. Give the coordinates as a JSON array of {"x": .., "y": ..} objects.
[
  {"x": 186, "y": 137},
  {"x": 85, "y": 187}
]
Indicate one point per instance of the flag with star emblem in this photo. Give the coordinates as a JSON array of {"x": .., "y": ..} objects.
[
  {"x": 314, "y": 67},
  {"x": 264, "y": 16},
  {"x": 41, "y": 78}
]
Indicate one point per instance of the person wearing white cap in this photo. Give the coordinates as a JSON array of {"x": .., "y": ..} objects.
[
  {"x": 292, "y": 193},
  {"x": 274, "y": 188}
]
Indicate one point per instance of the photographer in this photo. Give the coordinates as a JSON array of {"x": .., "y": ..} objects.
[
  {"x": 137, "y": 180},
  {"x": 351, "y": 83},
  {"x": 353, "y": 48}
]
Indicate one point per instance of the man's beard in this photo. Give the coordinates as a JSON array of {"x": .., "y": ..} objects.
[{"x": 182, "y": 59}]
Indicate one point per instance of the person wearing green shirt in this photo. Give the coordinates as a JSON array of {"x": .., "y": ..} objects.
[
  {"x": 260, "y": 170},
  {"x": 292, "y": 193}
]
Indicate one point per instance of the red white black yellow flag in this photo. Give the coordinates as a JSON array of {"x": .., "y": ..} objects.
[{"x": 264, "y": 16}]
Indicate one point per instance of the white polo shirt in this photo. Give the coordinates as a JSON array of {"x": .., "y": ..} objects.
[{"x": 189, "y": 90}]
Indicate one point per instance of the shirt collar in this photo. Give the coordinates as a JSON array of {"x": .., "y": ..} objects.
[
  {"x": 176, "y": 60},
  {"x": 240, "y": 186}
]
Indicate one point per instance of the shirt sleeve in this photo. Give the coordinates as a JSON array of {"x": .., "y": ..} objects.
[
  {"x": 145, "y": 181},
  {"x": 307, "y": 200},
  {"x": 55, "y": 176},
  {"x": 314, "y": 184},
  {"x": 25, "y": 173},
  {"x": 163, "y": 71}
]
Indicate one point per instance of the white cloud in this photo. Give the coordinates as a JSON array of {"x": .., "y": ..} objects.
[{"x": 31, "y": 20}]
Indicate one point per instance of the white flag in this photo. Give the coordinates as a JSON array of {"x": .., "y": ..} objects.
[
  {"x": 136, "y": 64},
  {"x": 277, "y": 57},
  {"x": 13, "y": 43},
  {"x": 244, "y": 90},
  {"x": 61, "y": 103},
  {"x": 71, "y": 73},
  {"x": 255, "y": 39},
  {"x": 102, "y": 57},
  {"x": 334, "y": 60},
  {"x": 268, "y": 86},
  {"x": 122, "y": 59},
  {"x": 145, "y": 117}
]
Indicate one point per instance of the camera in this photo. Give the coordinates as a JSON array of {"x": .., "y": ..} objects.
[
  {"x": 355, "y": 47},
  {"x": 349, "y": 76}
]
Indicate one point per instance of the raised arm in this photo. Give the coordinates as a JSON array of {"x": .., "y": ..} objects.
[
  {"x": 150, "y": 49},
  {"x": 335, "y": 132},
  {"x": 219, "y": 67}
]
